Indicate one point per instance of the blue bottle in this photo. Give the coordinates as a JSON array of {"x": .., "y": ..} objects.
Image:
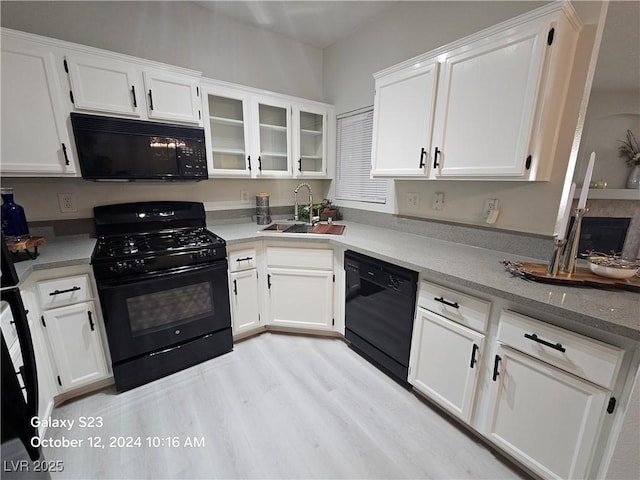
[{"x": 14, "y": 223}]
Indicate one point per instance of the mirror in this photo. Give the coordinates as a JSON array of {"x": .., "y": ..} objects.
[{"x": 614, "y": 104}]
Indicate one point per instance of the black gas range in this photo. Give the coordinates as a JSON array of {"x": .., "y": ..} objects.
[
  {"x": 162, "y": 282},
  {"x": 148, "y": 252}
]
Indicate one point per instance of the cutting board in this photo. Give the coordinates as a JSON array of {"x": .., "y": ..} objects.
[
  {"x": 329, "y": 229},
  {"x": 581, "y": 277}
]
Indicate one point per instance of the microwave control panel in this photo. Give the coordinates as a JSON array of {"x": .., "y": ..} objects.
[{"x": 192, "y": 158}]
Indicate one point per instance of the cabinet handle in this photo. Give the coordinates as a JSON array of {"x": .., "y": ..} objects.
[
  {"x": 58, "y": 292},
  {"x": 300, "y": 164},
  {"x": 66, "y": 157},
  {"x": 235, "y": 288},
  {"x": 150, "y": 100},
  {"x": 91, "y": 324},
  {"x": 260, "y": 163},
  {"x": 21, "y": 372},
  {"x": 269, "y": 281},
  {"x": 442, "y": 300},
  {"x": 557, "y": 346},
  {"x": 435, "y": 158},
  {"x": 474, "y": 350},
  {"x": 245, "y": 259},
  {"x": 133, "y": 92},
  {"x": 422, "y": 154},
  {"x": 249, "y": 162},
  {"x": 496, "y": 364}
]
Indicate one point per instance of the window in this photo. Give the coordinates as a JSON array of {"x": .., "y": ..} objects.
[{"x": 353, "y": 176}]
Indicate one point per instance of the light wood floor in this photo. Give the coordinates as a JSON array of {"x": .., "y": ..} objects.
[{"x": 278, "y": 406}]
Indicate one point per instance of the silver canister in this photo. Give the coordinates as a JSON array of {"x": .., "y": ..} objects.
[{"x": 262, "y": 209}]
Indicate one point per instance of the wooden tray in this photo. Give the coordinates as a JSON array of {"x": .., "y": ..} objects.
[
  {"x": 582, "y": 277},
  {"x": 31, "y": 242}
]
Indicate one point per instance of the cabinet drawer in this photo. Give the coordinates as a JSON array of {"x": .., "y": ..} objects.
[
  {"x": 242, "y": 260},
  {"x": 582, "y": 356},
  {"x": 300, "y": 258},
  {"x": 64, "y": 291},
  {"x": 463, "y": 309}
]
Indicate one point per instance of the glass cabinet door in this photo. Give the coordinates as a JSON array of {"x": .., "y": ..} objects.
[
  {"x": 311, "y": 143},
  {"x": 274, "y": 139},
  {"x": 229, "y": 135}
]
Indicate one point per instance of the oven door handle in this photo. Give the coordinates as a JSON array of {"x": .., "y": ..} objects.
[{"x": 108, "y": 284}]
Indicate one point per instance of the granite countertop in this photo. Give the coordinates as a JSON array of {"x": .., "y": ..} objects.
[{"x": 614, "y": 311}]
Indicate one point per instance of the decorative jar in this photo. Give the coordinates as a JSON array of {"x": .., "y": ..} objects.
[{"x": 14, "y": 222}]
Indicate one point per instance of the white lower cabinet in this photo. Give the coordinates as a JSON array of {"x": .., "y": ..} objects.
[
  {"x": 300, "y": 288},
  {"x": 547, "y": 417},
  {"x": 447, "y": 347},
  {"x": 245, "y": 295},
  {"x": 300, "y": 298},
  {"x": 445, "y": 366},
  {"x": 245, "y": 307},
  {"x": 76, "y": 345},
  {"x": 71, "y": 327}
]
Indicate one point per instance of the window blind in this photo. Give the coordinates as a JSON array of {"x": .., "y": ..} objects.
[{"x": 353, "y": 172}]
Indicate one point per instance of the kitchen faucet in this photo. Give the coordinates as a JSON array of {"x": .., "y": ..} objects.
[{"x": 312, "y": 219}]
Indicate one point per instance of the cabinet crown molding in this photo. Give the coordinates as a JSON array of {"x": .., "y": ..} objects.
[
  {"x": 86, "y": 49},
  {"x": 563, "y": 6}
]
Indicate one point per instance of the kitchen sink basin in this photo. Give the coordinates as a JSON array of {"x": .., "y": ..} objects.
[{"x": 320, "y": 228}]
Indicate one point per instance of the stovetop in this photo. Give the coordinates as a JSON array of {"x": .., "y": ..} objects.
[
  {"x": 136, "y": 253},
  {"x": 163, "y": 242}
]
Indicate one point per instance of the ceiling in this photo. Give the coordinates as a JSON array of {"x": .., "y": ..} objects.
[
  {"x": 322, "y": 23},
  {"x": 316, "y": 23}
]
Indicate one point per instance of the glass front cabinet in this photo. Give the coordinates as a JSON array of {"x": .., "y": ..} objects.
[
  {"x": 227, "y": 132},
  {"x": 273, "y": 137},
  {"x": 310, "y": 141},
  {"x": 260, "y": 136}
]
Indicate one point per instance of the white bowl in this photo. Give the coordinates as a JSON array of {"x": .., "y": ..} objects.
[{"x": 613, "y": 272}]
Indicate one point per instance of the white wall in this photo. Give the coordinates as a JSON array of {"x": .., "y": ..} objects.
[
  {"x": 179, "y": 33},
  {"x": 413, "y": 28},
  {"x": 39, "y": 196}
]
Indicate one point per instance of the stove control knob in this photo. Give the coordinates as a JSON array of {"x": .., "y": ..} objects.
[{"x": 119, "y": 267}]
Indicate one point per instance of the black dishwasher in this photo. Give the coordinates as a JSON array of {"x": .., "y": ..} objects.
[{"x": 379, "y": 310}]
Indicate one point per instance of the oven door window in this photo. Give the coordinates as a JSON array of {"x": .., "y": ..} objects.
[{"x": 156, "y": 311}]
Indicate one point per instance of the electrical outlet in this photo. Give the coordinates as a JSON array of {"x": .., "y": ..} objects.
[
  {"x": 67, "y": 202},
  {"x": 438, "y": 201},
  {"x": 244, "y": 196},
  {"x": 491, "y": 205},
  {"x": 413, "y": 201}
]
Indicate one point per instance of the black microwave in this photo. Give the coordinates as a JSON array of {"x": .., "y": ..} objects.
[{"x": 117, "y": 149}]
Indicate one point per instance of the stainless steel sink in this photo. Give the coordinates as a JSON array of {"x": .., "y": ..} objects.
[{"x": 304, "y": 228}]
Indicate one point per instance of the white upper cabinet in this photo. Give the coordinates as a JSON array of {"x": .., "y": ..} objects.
[
  {"x": 488, "y": 104},
  {"x": 491, "y": 111},
  {"x": 104, "y": 85},
  {"x": 310, "y": 125},
  {"x": 35, "y": 140},
  {"x": 227, "y": 133},
  {"x": 172, "y": 96},
  {"x": 403, "y": 121},
  {"x": 272, "y": 136},
  {"x": 112, "y": 84}
]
